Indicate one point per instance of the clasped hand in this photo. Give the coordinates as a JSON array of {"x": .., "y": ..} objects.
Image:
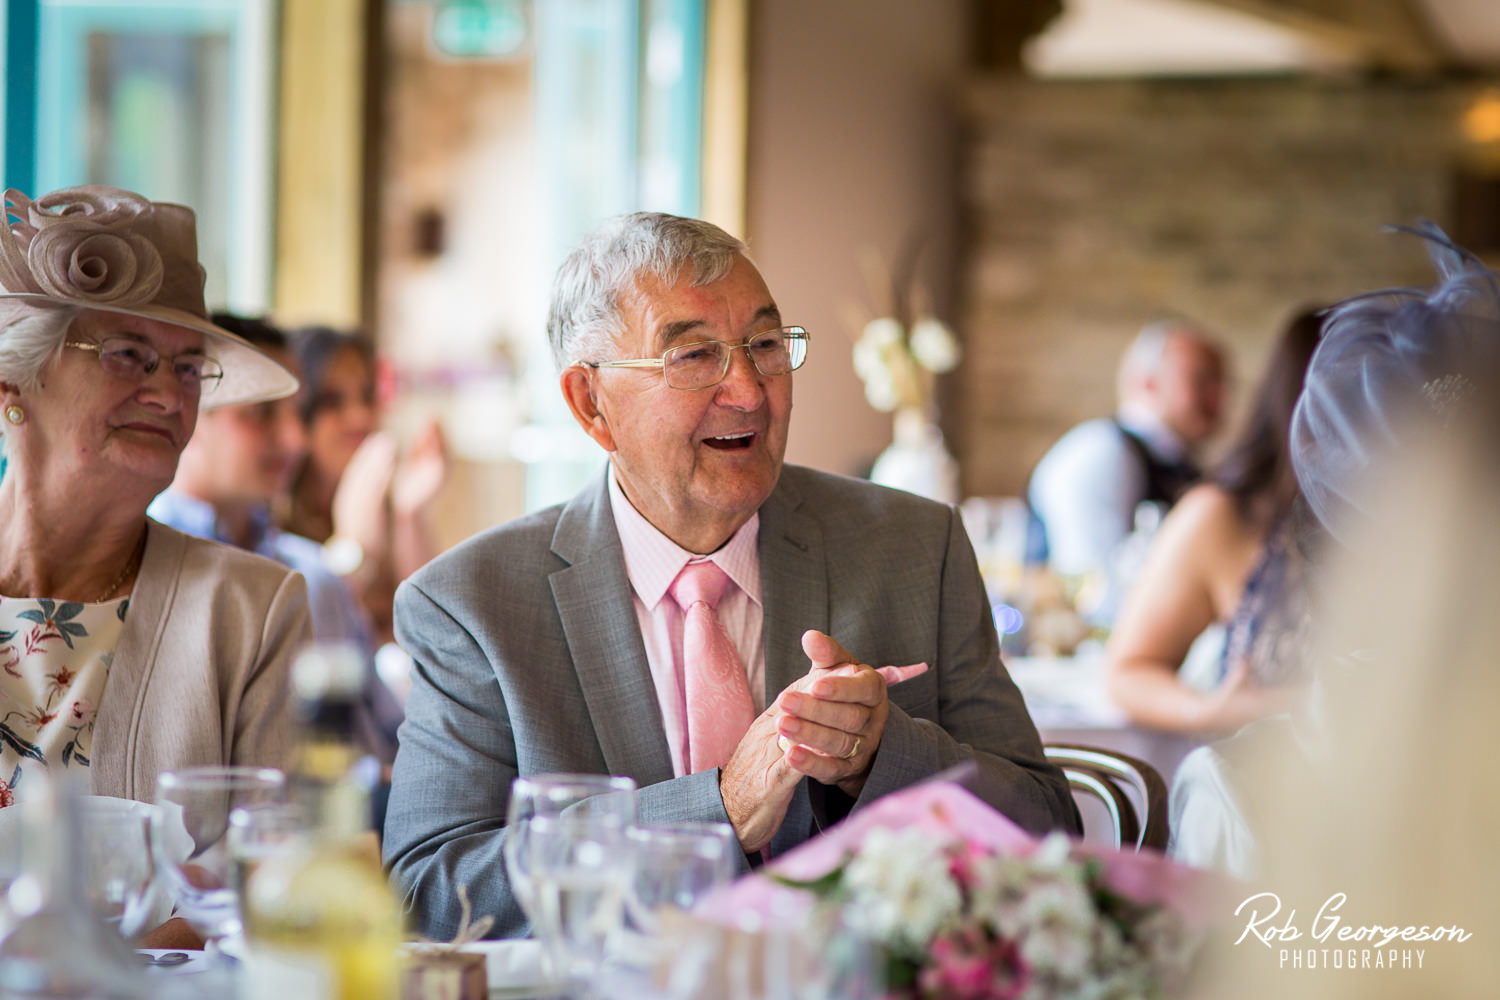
[{"x": 827, "y": 726}]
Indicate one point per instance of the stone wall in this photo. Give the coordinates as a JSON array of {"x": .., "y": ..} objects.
[{"x": 1089, "y": 207}]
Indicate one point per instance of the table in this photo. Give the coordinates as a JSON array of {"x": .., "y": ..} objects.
[{"x": 1066, "y": 698}]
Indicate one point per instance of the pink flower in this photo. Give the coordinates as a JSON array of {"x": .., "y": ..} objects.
[
  {"x": 7, "y": 797},
  {"x": 967, "y": 964},
  {"x": 963, "y": 857},
  {"x": 83, "y": 711}
]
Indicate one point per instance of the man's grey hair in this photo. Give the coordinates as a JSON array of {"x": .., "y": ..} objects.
[
  {"x": 1143, "y": 357},
  {"x": 584, "y": 317},
  {"x": 28, "y": 343}
]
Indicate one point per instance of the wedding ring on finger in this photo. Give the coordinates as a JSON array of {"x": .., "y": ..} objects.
[{"x": 853, "y": 753}]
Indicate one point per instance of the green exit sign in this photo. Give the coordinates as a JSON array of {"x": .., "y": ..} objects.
[{"x": 480, "y": 29}]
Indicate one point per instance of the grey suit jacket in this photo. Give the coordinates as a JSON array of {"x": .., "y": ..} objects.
[{"x": 528, "y": 659}]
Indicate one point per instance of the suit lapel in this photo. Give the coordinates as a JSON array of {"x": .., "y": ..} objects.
[
  {"x": 596, "y": 606},
  {"x": 794, "y": 584}
]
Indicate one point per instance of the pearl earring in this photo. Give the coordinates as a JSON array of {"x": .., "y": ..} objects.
[{"x": 15, "y": 414}]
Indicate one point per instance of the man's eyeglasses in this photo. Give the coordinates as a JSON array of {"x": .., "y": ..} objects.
[
  {"x": 703, "y": 365},
  {"x": 134, "y": 360}
]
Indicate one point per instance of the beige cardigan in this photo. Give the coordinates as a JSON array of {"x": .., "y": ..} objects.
[{"x": 201, "y": 674}]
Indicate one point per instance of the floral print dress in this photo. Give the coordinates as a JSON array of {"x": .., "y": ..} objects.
[{"x": 54, "y": 660}]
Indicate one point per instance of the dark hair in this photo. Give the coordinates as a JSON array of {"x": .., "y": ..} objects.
[
  {"x": 1257, "y": 471},
  {"x": 257, "y": 330},
  {"x": 315, "y": 348}
]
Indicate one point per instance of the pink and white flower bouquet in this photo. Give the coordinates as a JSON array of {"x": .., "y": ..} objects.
[
  {"x": 956, "y": 920},
  {"x": 961, "y": 904}
]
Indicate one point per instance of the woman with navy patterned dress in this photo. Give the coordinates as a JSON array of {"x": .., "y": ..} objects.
[{"x": 1226, "y": 553}]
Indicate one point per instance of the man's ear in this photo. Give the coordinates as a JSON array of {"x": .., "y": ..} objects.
[{"x": 577, "y": 386}]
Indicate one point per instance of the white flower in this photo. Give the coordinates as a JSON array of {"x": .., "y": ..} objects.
[
  {"x": 1053, "y": 854},
  {"x": 882, "y": 332},
  {"x": 871, "y": 349},
  {"x": 934, "y": 346},
  {"x": 880, "y": 390},
  {"x": 900, "y": 888},
  {"x": 1054, "y": 921}
]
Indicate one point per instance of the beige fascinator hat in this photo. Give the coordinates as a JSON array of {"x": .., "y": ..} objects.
[{"x": 104, "y": 248}]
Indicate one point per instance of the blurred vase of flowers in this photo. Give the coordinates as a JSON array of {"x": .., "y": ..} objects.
[{"x": 899, "y": 364}]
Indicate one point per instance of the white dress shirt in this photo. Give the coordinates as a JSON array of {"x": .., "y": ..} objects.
[{"x": 1086, "y": 488}]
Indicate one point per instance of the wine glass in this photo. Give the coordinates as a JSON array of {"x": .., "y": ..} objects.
[
  {"x": 190, "y": 844},
  {"x": 567, "y": 864}
]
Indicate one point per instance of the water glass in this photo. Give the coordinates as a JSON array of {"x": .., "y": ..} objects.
[
  {"x": 258, "y": 831},
  {"x": 812, "y": 955},
  {"x": 197, "y": 802},
  {"x": 676, "y": 865},
  {"x": 568, "y": 866},
  {"x": 121, "y": 880}
]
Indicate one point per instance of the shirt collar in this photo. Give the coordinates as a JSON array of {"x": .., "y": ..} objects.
[
  {"x": 197, "y": 517},
  {"x": 652, "y": 560},
  {"x": 1150, "y": 428},
  {"x": 186, "y": 514}
]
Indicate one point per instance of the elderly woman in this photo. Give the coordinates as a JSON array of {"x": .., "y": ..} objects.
[{"x": 126, "y": 648}]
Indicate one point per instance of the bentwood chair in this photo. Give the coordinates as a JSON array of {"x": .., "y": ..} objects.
[{"x": 1131, "y": 791}]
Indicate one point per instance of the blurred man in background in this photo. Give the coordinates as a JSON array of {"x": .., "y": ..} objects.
[
  {"x": 1086, "y": 489},
  {"x": 237, "y": 460}
]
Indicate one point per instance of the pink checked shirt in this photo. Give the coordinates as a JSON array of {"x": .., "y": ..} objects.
[{"x": 652, "y": 562}]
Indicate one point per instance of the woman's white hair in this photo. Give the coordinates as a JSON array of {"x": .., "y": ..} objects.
[
  {"x": 609, "y": 263},
  {"x": 27, "y": 343}
]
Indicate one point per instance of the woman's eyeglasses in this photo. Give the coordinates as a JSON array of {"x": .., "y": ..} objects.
[{"x": 134, "y": 360}]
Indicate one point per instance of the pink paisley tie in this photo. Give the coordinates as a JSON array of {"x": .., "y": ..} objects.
[{"x": 719, "y": 707}]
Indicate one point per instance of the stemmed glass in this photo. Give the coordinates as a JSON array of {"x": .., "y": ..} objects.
[
  {"x": 568, "y": 866},
  {"x": 197, "y": 801}
]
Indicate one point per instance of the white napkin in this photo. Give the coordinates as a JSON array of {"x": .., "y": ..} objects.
[
  {"x": 509, "y": 963},
  {"x": 103, "y": 808}
]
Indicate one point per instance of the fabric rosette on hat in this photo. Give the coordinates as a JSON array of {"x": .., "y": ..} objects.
[{"x": 104, "y": 248}]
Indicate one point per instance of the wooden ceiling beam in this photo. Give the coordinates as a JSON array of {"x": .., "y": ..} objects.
[
  {"x": 1386, "y": 34},
  {"x": 1001, "y": 28}
]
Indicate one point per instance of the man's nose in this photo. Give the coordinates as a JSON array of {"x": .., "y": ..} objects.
[
  {"x": 289, "y": 430},
  {"x": 743, "y": 385}
]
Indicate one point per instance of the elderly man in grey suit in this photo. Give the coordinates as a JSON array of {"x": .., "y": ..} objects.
[{"x": 561, "y": 643}]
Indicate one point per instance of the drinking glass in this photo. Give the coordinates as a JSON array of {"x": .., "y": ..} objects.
[
  {"x": 805, "y": 953},
  {"x": 258, "y": 831},
  {"x": 568, "y": 866},
  {"x": 117, "y": 856},
  {"x": 676, "y": 864},
  {"x": 198, "y": 801}
]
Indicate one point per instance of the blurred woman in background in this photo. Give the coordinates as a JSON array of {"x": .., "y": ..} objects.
[
  {"x": 1226, "y": 553},
  {"x": 353, "y": 491}
]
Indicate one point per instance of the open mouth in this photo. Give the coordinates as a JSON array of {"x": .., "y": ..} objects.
[{"x": 731, "y": 442}]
